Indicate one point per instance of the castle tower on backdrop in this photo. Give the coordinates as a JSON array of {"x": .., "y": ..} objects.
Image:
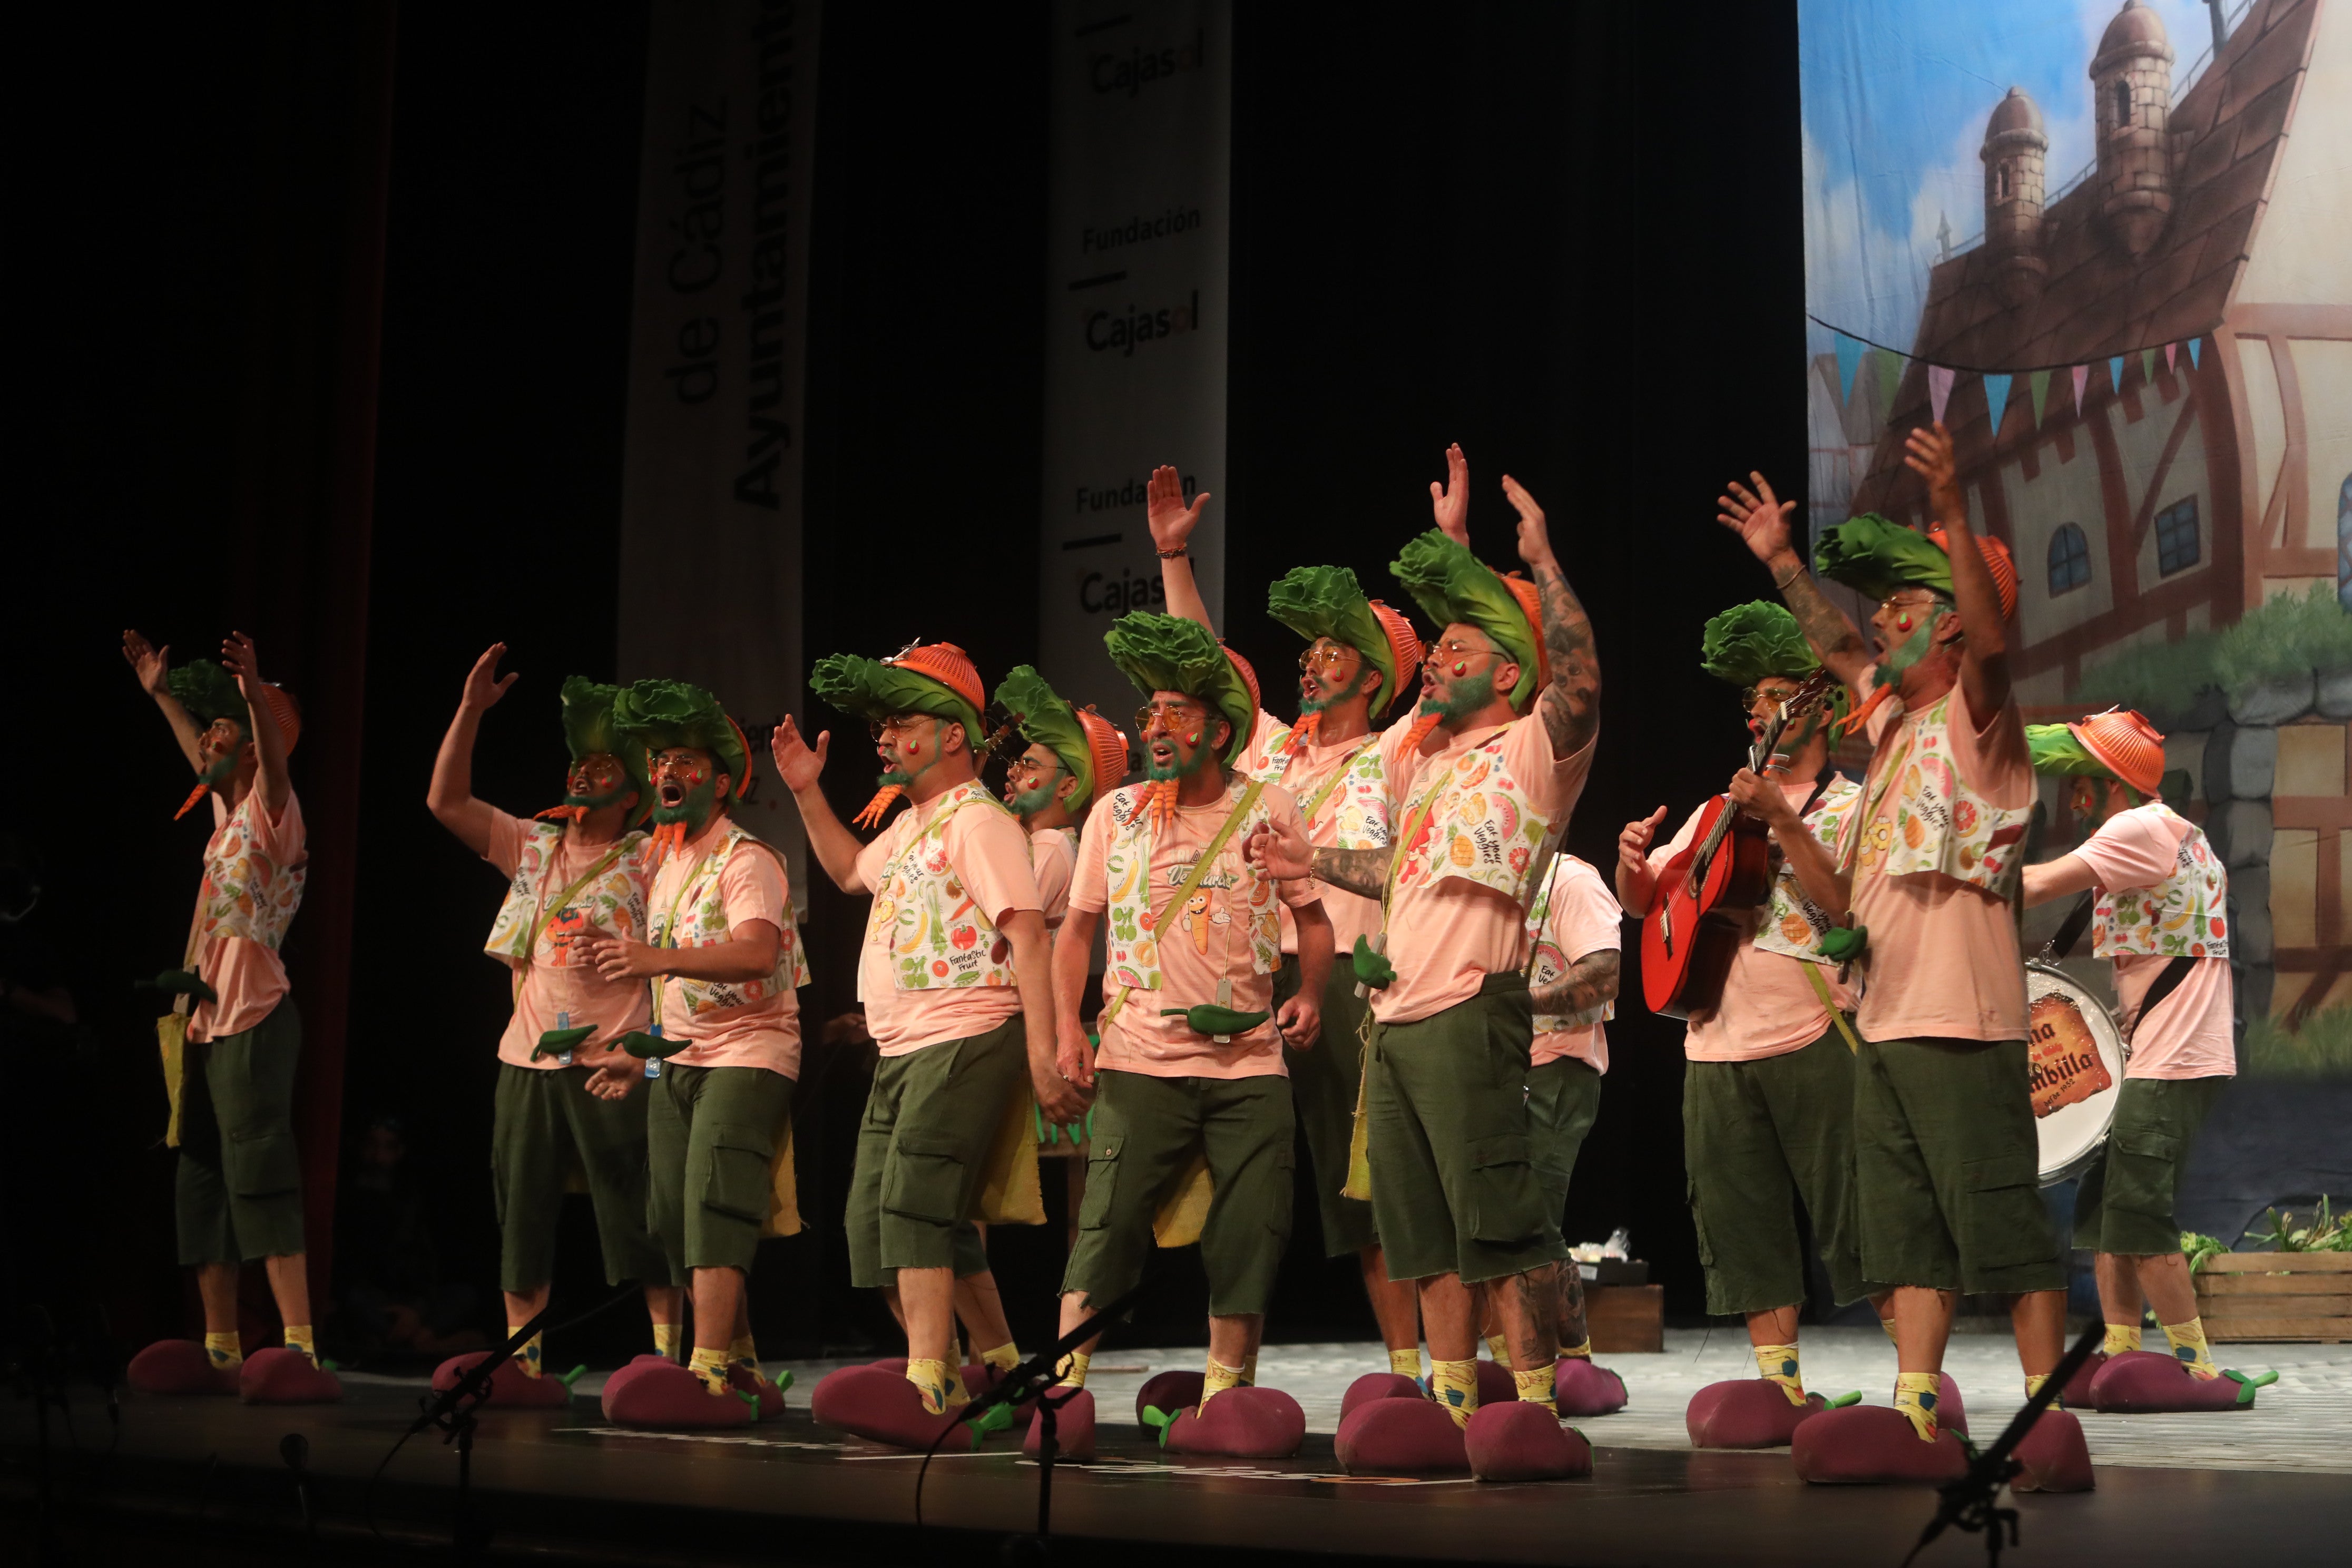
[
  {"x": 2014, "y": 147},
  {"x": 2131, "y": 84}
]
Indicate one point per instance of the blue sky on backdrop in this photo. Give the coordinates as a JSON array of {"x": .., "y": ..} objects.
[{"x": 1895, "y": 97}]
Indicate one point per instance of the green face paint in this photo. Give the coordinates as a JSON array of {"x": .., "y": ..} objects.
[
  {"x": 694, "y": 809},
  {"x": 1465, "y": 695},
  {"x": 1913, "y": 649},
  {"x": 1030, "y": 802},
  {"x": 1187, "y": 762},
  {"x": 1317, "y": 704}
]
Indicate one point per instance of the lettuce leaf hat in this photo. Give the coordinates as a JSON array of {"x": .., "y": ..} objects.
[
  {"x": 1329, "y": 602},
  {"x": 651, "y": 716},
  {"x": 209, "y": 692},
  {"x": 2117, "y": 744},
  {"x": 1169, "y": 653},
  {"x": 589, "y": 731},
  {"x": 1877, "y": 557},
  {"x": 1756, "y": 641},
  {"x": 937, "y": 679},
  {"x": 1451, "y": 585},
  {"x": 1089, "y": 745}
]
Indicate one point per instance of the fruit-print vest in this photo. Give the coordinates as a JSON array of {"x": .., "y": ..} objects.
[
  {"x": 1549, "y": 961},
  {"x": 938, "y": 936},
  {"x": 1794, "y": 925},
  {"x": 1473, "y": 822},
  {"x": 1132, "y": 941},
  {"x": 611, "y": 900},
  {"x": 243, "y": 893},
  {"x": 1937, "y": 822},
  {"x": 2184, "y": 916},
  {"x": 695, "y": 916},
  {"x": 1357, "y": 797}
]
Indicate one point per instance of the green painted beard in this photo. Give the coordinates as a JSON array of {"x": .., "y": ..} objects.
[
  {"x": 894, "y": 779},
  {"x": 1184, "y": 767},
  {"x": 1899, "y": 659},
  {"x": 221, "y": 772},
  {"x": 1030, "y": 802},
  {"x": 1467, "y": 695},
  {"x": 1353, "y": 687},
  {"x": 695, "y": 810}
]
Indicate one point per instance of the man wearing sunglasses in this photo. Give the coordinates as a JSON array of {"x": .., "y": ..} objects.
[
  {"x": 1946, "y": 1151},
  {"x": 1485, "y": 781},
  {"x": 1359, "y": 655},
  {"x": 953, "y": 975}
]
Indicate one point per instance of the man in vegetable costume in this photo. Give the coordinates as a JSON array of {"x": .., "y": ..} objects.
[
  {"x": 722, "y": 951},
  {"x": 576, "y": 874},
  {"x": 1072, "y": 756},
  {"x": 1946, "y": 1156},
  {"x": 1768, "y": 1096},
  {"x": 1483, "y": 782},
  {"x": 235, "y": 1037},
  {"x": 1190, "y": 1066},
  {"x": 1359, "y": 655},
  {"x": 953, "y": 975},
  {"x": 2159, "y": 911}
]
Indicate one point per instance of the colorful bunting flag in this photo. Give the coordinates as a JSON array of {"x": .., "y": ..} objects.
[
  {"x": 1996, "y": 390},
  {"x": 2194, "y": 344},
  {"x": 2148, "y": 364},
  {"x": 2039, "y": 385},
  {"x": 1849, "y": 355},
  {"x": 2082, "y": 375},
  {"x": 1939, "y": 389},
  {"x": 2171, "y": 351},
  {"x": 2116, "y": 374}
]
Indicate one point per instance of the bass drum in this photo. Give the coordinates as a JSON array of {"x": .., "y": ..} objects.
[{"x": 2076, "y": 1057}]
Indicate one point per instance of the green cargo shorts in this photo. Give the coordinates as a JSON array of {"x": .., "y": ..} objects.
[
  {"x": 543, "y": 1122},
  {"x": 2125, "y": 1204},
  {"x": 1563, "y": 1097},
  {"x": 1323, "y": 1080},
  {"x": 237, "y": 1190},
  {"x": 1947, "y": 1170},
  {"x": 923, "y": 1152},
  {"x": 1147, "y": 1130},
  {"x": 1454, "y": 1188},
  {"x": 1759, "y": 1137},
  {"x": 710, "y": 1149}
]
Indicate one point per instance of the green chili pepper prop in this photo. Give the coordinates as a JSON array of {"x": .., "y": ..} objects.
[
  {"x": 1213, "y": 1020},
  {"x": 1374, "y": 971},
  {"x": 1843, "y": 945},
  {"x": 639, "y": 1044},
  {"x": 555, "y": 1042}
]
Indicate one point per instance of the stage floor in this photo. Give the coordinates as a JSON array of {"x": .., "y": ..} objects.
[{"x": 565, "y": 1487}]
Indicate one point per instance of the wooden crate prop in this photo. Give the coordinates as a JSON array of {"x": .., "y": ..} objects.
[
  {"x": 2276, "y": 1296},
  {"x": 1625, "y": 1318}
]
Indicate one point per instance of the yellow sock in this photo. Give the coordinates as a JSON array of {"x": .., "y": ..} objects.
[
  {"x": 1220, "y": 1378},
  {"x": 1582, "y": 1350},
  {"x": 297, "y": 1338},
  {"x": 2122, "y": 1339},
  {"x": 1455, "y": 1384},
  {"x": 1914, "y": 1395},
  {"x": 709, "y": 1363},
  {"x": 668, "y": 1340},
  {"x": 1536, "y": 1387},
  {"x": 1888, "y": 1324},
  {"x": 2033, "y": 1382},
  {"x": 1500, "y": 1348},
  {"x": 528, "y": 1357},
  {"x": 2188, "y": 1347},
  {"x": 744, "y": 1350},
  {"x": 1406, "y": 1364},
  {"x": 224, "y": 1351},
  {"x": 940, "y": 1384},
  {"x": 1073, "y": 1368},
  {"x": 1778, "y": 1363},
  {"x": 1249, "y": 1371},
  {"x": 1003, "y": 1358}
]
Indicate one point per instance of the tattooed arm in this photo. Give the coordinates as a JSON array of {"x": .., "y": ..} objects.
[
  {"x": 1589, "y": 982},
  {"x": 1762, "y": 520},
  {"x": 1281, "y": 848},
  {"x": 1364, "y": 872},
  {"x": 1570, "y": 705}
]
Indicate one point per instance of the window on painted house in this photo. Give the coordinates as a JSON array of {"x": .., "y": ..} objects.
[
  {"x": 2123, "y": 103},
  {"x": 2069, "y": 560},
  {"x": 2177, "y": 547}
]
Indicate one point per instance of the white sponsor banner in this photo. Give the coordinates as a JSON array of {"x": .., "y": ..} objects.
[
  {"x": 1135, "y": 316},
  {"x": 710, "y": 486}
]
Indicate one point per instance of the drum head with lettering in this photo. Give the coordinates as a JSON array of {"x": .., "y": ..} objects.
[{"x": 2076, "y": 1057}]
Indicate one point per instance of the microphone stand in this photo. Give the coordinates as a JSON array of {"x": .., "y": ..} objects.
[
  {"x": 453, "y": 1414},
  {"x": 1968, "y": 1502},
  {"x": 1037, "y": 1375}
]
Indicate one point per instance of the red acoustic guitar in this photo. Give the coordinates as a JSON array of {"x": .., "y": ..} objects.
[{"x": 1695, "y": 922}]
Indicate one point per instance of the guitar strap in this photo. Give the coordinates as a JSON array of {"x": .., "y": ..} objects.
[{"x": 2166, "y": 985}]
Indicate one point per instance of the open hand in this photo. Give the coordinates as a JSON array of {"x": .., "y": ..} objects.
[
  {"x": 618, "y": 958},
  {"x": 483, "y": 684},
  {"x": 615, "y": 1079},
  {"x": 1535, "y": 536},
  {"x": 238, "y": 658},
  {"x": 1170, "y": 521},
  {"x": 1758, "y": 516},
  {"x": 799, "y": 764},
  {"x": 1277, "y": 847},
  {"x": 1299, "y": 1021},
  {"x": 1927, "y": 452},
  {"x": 1450, "y": 500},
  {"x": 153, "y": 666}
]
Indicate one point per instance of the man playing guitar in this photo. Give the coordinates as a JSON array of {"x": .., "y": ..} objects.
[{"x": 1767, "y": 1099}]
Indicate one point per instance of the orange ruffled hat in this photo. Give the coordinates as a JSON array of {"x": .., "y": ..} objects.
[{"x": 2129, "y": 746}]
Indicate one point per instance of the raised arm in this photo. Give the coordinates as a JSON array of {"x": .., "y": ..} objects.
[
  {"x": 1571, "y": 703},
  {"x": 269, "y": 742},
  {"x": 1450, "y": 502},
  {"x": 153, "y": 666},
  {"x": 1984, "y": 646},
  {"x": 1591, "y": 982},
  {"x": 450, "y": 796},
  {"x": 1762, "y": 520},
  {"x": 1171, "y": 523},
  {"x": 802, "y": 766}
]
